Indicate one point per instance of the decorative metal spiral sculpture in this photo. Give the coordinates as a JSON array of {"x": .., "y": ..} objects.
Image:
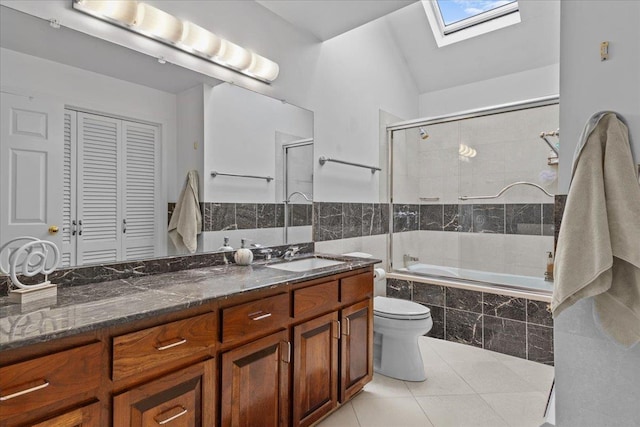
[{"x": 30, "y": 259}]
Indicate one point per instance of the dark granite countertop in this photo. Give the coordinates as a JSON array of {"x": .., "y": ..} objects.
[{"x": 79, "y": 309}]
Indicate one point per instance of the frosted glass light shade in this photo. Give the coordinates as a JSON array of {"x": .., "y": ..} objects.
[
  {"x": 161, "y": 26},
  {"x": 200, "y": 40},
  {"x": 158, "y": 23},
  {"x": 235, "y": 56},
  {"x": 263, "y": 67},
  {"x": 121, "y": 11}
]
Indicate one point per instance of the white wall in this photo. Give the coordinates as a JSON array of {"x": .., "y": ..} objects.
[
  {"x": 98, "y": 93},
  {"x": 240, "y": 138},
  {"x": 598, "y": 382},
  {"x": 190, "y": 138},
  {"x": 501, "y": 90},
  {"x": 357, "y": 74}
]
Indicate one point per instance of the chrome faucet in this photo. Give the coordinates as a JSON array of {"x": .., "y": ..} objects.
[
  {"x": 408, "y": 259},
  {"x": 292, "y": 251}
]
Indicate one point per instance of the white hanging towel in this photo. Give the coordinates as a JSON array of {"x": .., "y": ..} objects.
[
  {"x": 598, "y": 252},
  {"x": 186, "y": 220}
]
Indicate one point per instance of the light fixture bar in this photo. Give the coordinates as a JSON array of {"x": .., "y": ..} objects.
[{"x": 161, "y": 26}]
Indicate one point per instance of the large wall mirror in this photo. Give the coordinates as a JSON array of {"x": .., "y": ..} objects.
[{"x": 97, "y": 140}]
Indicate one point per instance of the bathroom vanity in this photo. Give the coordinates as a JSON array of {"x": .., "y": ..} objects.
[{"x": 224, "y": 346}]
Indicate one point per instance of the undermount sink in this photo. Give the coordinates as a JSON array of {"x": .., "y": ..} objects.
[{"x": 305, "y": 264}]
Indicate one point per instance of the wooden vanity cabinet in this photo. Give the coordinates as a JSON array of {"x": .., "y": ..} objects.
[
  {"x": 333, "y": 356},
  {"x": 255, "y": 383},
  {"x": 86, "y": 416},
  {"x": 181, "y": 399}
]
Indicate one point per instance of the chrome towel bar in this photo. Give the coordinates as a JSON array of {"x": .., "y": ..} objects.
[
  {"x": 267, "y": 178},
  {"x": 324, "y": 159}
]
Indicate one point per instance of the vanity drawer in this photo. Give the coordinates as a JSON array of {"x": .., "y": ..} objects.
[
  {"x": 40, "y": 382},
  {"x": 315, "y": 299},
  {"x": 356, "y": 288},
  {"x": 149, "y": 348},
  {"x": 256, "y": 317}
]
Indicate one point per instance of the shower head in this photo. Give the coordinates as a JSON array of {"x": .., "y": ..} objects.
[{"x": 423, "y": 134}]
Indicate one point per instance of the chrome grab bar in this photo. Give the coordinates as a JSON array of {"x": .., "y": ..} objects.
[{"x": 495, "y": 196}]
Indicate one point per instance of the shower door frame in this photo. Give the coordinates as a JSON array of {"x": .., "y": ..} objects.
[
  {"x": 466, "y": 114},
  {"x": 285, "y": 184}
]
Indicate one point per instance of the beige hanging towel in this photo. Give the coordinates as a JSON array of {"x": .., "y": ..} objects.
[
  {"x": 186, "y": 220},
  {"x": 598, "y": 252}
]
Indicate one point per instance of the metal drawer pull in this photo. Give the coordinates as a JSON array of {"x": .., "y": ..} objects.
[
  {"x": 174, "y": 344},
  {"x": 173, "y": 417},
  {"x": 347, "y": 326},
  {"x": 258, "y": 316},
  {"x": 29, "y": 390},
  {"x": 339, "y": 328}
]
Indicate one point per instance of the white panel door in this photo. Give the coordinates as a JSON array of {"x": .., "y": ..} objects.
[
  {"x": 31, "y": 151},
  {"x": 140, "y": 190},
  {"x": 99, "y": 183}
]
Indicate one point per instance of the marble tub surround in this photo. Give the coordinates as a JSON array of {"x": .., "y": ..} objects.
[
  {"x": 515, "y": 326},
  {"x": 533, "y": 219},
  {"x": 76, "y": 276},
  {"x": 97, "y": 305},
  {"x": 335, "y": 221},
  {"x": 247, "y": 216}
]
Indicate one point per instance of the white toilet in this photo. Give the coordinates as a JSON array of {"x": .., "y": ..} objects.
[{"x": 397, "y": 325}]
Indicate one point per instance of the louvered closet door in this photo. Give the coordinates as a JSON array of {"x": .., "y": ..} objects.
[
  {"x": 68, "y": 249},
  {"x": 140, "y": 190},
  {"x": 99, "y": 213}
]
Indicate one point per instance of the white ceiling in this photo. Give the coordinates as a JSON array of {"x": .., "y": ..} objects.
[
  {"x": 533, "y": 43},
  {"x": 326, "y": 19}
]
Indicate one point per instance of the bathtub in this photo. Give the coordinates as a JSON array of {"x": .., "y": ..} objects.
[{"x": 506, "y": 284}]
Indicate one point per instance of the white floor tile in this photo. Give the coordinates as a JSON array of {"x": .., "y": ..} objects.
[
  {"x": 460, "y": 411},
  {"x": 519, "y": 409},
  {"x": 455, "y": 352},
  {"x": 343, "y": 417},
  {"x": 396, "y": 412},
  {"x": 382, "y": 386},
  {"x": 441, "y": 380},
  {"x": 540, "y": 376},
  {"x": 491, "y": 377}
]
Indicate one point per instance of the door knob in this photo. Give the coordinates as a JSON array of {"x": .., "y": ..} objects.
[{"x": 53, "y": 229}]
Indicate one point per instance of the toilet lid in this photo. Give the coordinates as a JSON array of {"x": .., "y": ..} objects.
[{"x": 394, "y": 308}]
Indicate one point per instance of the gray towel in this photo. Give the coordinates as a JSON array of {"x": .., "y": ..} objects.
[
  {"x": 598, "y": 252},
  {"x": 186, "y": 220}
]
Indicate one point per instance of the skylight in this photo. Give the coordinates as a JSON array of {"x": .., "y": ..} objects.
[
  {"x": 456, "y": 20},
  {"x": 453, "y": 11}
]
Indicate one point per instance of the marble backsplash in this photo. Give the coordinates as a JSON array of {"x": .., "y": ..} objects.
[
  {"x": 83, "y": 275},
  {"x": 518, "y": 327}
]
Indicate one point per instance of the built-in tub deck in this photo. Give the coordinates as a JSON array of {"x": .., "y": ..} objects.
[{"x": 480, "y": 281}]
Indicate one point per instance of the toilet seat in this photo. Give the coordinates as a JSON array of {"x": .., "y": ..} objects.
[{"x": 392, "y": 308}]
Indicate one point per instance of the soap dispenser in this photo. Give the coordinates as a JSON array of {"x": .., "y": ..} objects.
[
  {"x": 548, "y": 275},
  {"x": 243, "y": 256},
  {"x": 225, "y": 246}
]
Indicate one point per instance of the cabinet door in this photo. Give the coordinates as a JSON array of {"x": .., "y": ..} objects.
[
  {"x": 87, "y": 416},
  {"x": 255, "y": 383},
  {"x": 99, "y": 184},
  {"x": 181, "y": 399},
  {"x": 140, "y": 199},
  {"x": 357, "y": 348},
  {"x": 315, "y": 368}
]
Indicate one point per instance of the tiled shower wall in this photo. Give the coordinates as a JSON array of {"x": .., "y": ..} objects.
[{"x": 515, "y": 326}]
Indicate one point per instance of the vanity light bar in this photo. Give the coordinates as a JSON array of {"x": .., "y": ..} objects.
[{"x": 159, "y": 25}]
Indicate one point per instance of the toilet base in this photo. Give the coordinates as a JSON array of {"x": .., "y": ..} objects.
[{"x": 398, "y": 358}]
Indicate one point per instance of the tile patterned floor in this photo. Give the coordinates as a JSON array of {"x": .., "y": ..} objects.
[{"x": 466, "y": 387}]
